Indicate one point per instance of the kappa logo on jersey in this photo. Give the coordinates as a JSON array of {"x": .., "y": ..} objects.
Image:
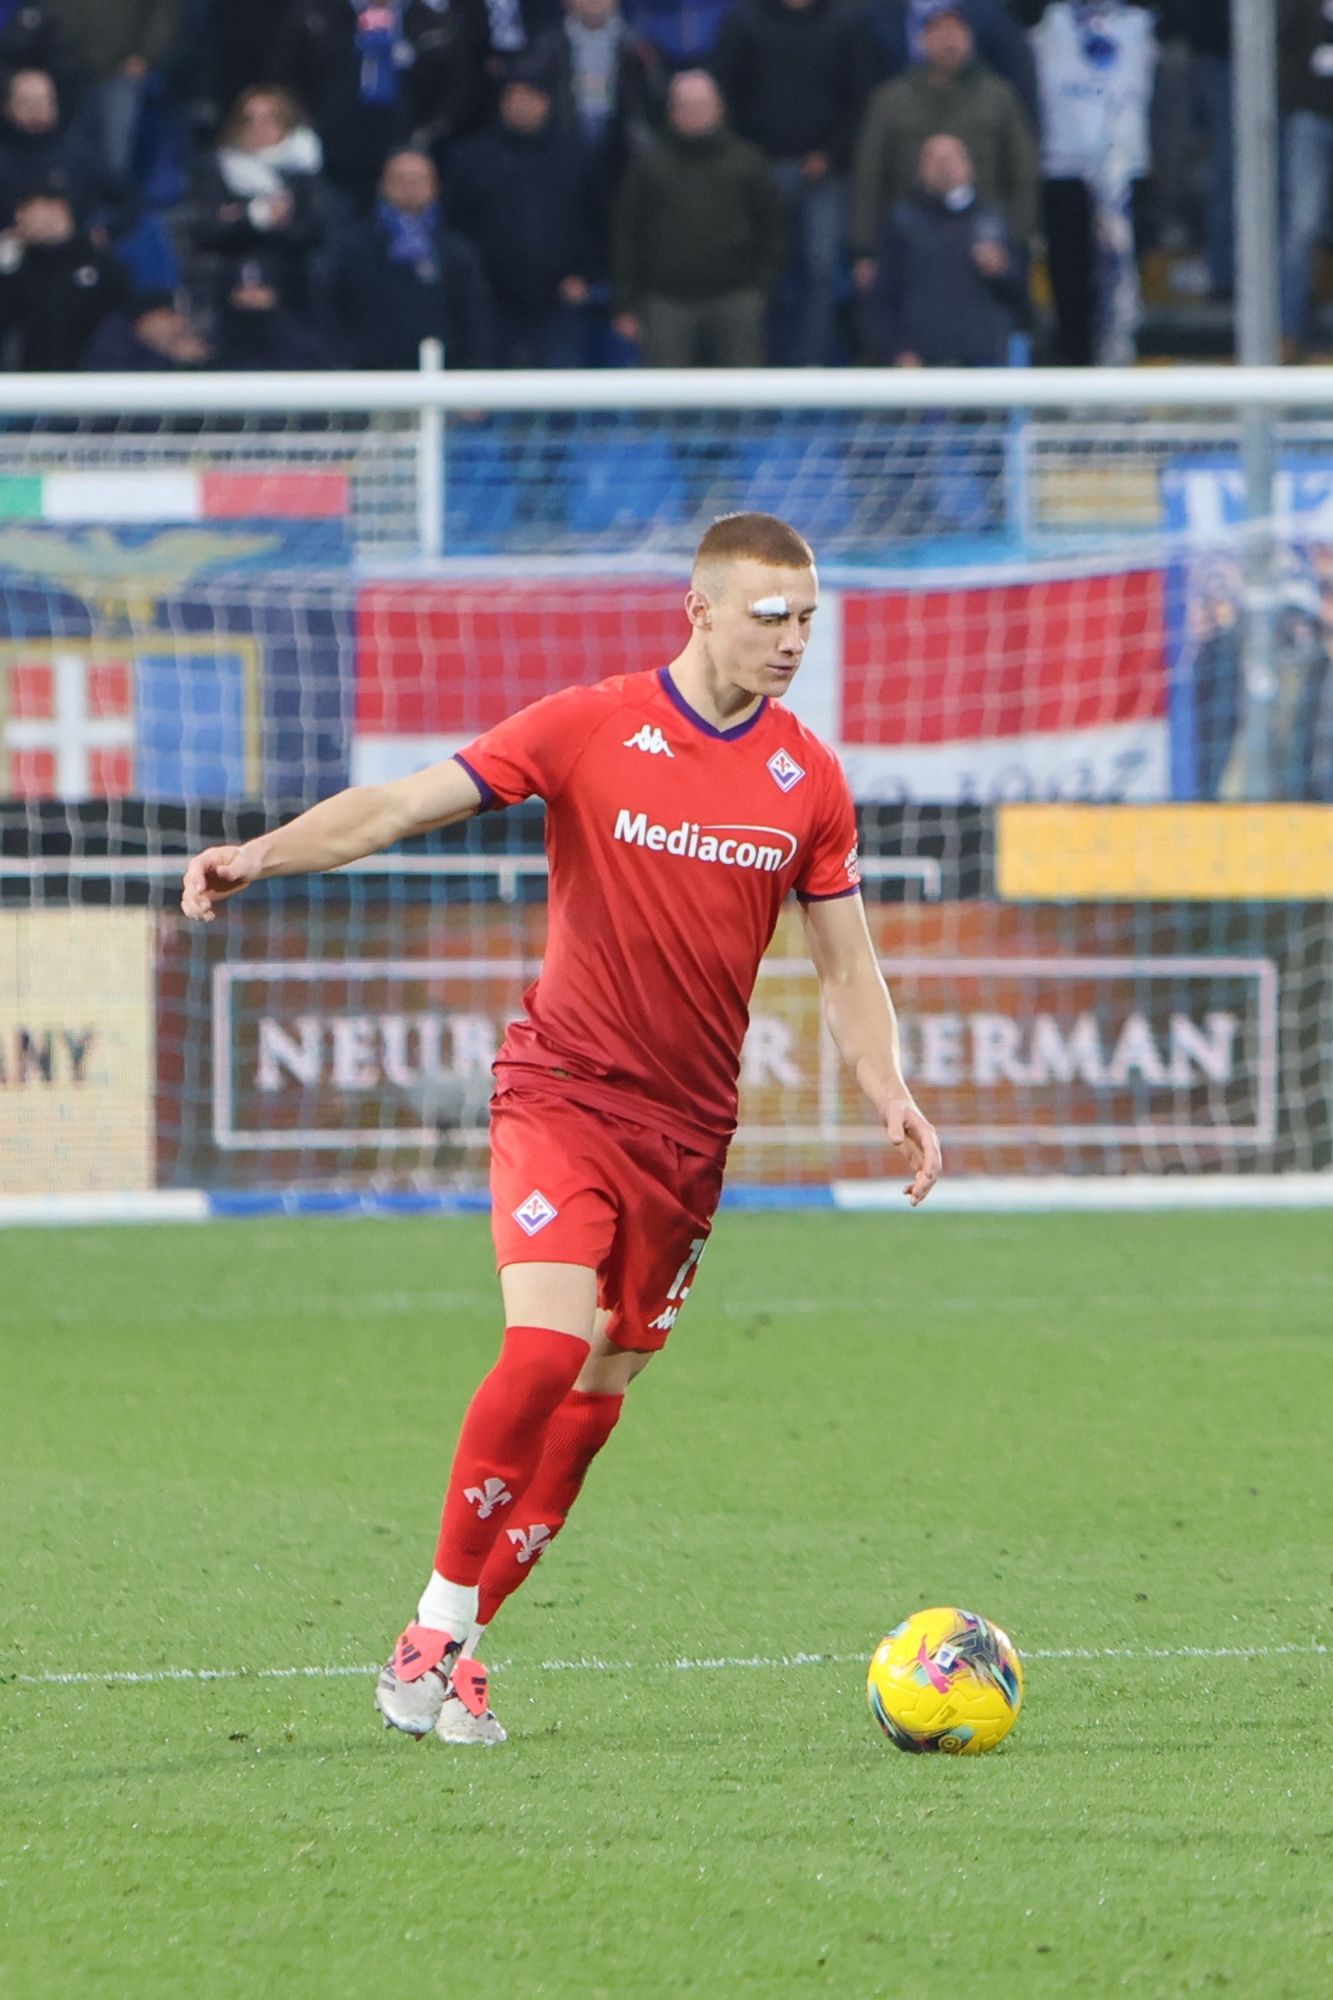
[
  {"x": 534, "y": 1213},
  {"x": 488, "y": 1497},
  {"x": 651, "y": 739},
  {"x": 785, "y": 770},
  {"x": 529, "y": 1542},
  {"x": 701, "y": 843}
]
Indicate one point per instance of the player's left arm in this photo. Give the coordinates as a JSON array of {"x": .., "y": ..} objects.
[{"x": 862, "y": 1022}]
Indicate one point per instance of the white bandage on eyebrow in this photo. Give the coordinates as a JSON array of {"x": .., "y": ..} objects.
[{"x": 770, "y": 607}]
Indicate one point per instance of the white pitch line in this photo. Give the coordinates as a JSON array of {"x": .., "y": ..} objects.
[{"x": 157, "y": 1675}]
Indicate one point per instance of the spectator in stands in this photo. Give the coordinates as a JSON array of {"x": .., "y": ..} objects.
[
  {"x": 1201, "y": 31},
  {"x": 39, "y": 149},
  {"x": 609, "y": 90},
  {"x": 608, "y": 84},
  {"x": 1305, "y": 91},
  {"x": 794, "y": 75},
  {"x": 402, "y": 277},
  {"x": 380, "y": 78},
  {"x": 948, "y": 91},
  {"x": 118, "y": 43},
  {"x": 256, "y": 331},
  {"x": 151, "y": 334},
  {"x": 1095, "y": 74},
  {"x": 895, "y": 28},
  {"x": 259, "y": 195},
  {"x": 519, "y": 190},
  {"x": 950, "y": 283},
  {"x": 56, "y": 285},
  {"x": 32, "y": 37},
  {"x": 699, "y": 238}
]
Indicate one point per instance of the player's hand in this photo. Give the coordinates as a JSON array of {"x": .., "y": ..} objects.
[
  {"x": 913, "y": 1134},
  {"x": 210, "y": 878}
]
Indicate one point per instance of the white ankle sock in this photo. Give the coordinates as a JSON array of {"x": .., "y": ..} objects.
[
  {"x": 448, "y": 1607},
  {"x": 473, "y": 1640}
]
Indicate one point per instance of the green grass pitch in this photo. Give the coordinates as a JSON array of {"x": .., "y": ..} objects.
[{"x": 223, "y": 1447}]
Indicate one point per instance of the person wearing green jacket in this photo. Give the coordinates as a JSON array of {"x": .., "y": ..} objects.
[
  {"x": 698, "y": 240},
  {"x": 117, "y": 42},
  {"x": 949, "y": 92}
]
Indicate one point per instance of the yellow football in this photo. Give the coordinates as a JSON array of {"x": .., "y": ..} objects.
[{"x": 945, "y": 1680}]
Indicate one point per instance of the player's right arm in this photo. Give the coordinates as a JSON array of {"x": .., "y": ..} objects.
[{"x": 359, "y": 821}]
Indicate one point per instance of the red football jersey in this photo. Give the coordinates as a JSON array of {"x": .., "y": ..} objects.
[{"x": 672, "y": 847}]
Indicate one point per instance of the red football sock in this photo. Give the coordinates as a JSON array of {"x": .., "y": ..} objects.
[
  {"x": 500, "y": 1446},
  {"x": 574, "y": 1436}
]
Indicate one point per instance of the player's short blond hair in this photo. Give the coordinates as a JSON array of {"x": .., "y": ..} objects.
[{"x": 752, "y": 538}]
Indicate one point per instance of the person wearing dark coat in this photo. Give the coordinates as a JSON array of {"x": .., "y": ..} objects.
[
  {"x": 1204, "y": 27},
  {"x": 519, "y": 190},
  {"x": 794, "y": 75},
  {"x": 950, "y": 282},
  {"x": 607, "y": 83},
  {"x": 402, "y": 277},
  {"x": 259, "y": 194},
  {"x": 379, "y": 79},
  {"x": 152, "y": 335},
  {"x": 1305, "y": 99},
  {"x": 56, "y": 286},
  {"x": 32, "y": 37},
  {"x": 699, "y": 238},
  {"x": 895, "y": 27},
  {"x": 40, "y": 149},
  {"x": 608, "y": 88},
  {"x": 256, "y": 331}
]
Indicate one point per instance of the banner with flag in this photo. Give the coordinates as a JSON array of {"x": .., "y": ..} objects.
[{"x": 953, "y": 692}]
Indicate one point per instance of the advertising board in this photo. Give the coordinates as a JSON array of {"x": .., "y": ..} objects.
[
  {"x": 76, "y": 1051},
  {"x": 1040, "y": 1039}
]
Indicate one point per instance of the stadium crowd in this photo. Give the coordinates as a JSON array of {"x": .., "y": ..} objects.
[{"x": 259, "y": 184}]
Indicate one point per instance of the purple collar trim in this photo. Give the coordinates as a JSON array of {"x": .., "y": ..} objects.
[{"x": 673, "y": 694}]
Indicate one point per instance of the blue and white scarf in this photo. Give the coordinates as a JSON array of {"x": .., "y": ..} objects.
[
  {"x": 412, "y": 238},
  {"x": 379, "y": 41}
]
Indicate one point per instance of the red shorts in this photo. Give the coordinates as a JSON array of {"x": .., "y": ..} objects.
[{"x": 574, "y": 1186}]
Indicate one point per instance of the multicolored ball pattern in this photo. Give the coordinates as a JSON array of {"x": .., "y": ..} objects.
[{"x": 946, "y": 1680}]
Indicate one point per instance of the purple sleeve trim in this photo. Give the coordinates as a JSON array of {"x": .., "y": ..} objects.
[
  {"x": 836, "y": 896},
  {"x": 489, "y": 803}
]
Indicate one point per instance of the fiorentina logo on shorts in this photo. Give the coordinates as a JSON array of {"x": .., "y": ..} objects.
[
  {"x": 534, "y": 1213},
  {"x": 785, "y": 770}
]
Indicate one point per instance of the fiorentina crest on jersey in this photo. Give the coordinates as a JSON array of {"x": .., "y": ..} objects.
[
  {"x": 651, "y": 739},
  {"x": 534, "y": 1213},
  {"x": 785, "y": 770}
]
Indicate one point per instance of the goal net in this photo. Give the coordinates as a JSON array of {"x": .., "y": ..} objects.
[{"x": 1081, "y": 684}]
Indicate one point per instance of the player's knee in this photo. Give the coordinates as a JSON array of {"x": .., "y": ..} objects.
[{"x": 610, "y": 1373}]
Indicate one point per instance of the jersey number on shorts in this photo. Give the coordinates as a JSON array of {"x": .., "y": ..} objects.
[{"x": 680, "y": 1286}]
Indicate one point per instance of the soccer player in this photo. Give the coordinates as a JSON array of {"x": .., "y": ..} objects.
[{"x": 684, "y": 804}]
